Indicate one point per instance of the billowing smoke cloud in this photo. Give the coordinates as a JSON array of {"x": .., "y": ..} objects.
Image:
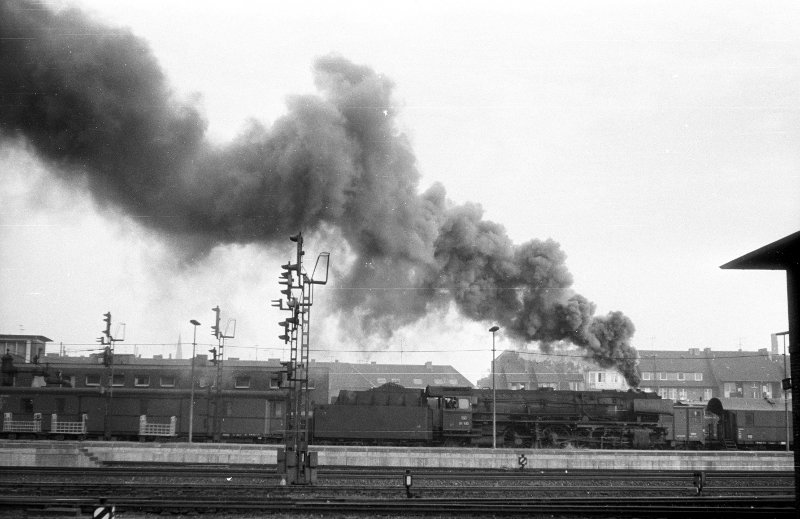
[{"x": 93, "y": 103}]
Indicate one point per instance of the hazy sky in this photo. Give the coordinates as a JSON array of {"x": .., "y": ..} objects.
[{"x": 654, "y": 141}]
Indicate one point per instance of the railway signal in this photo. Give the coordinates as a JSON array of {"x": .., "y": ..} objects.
[
  {"x": 296, "y": 463},
  {"x": 107, "y": 319},
  {"x": 215, "y": 327}
]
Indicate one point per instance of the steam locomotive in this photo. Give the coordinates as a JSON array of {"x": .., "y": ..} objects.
[{"x": 462, "y": 416}]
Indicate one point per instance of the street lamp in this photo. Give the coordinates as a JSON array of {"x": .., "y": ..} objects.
[
  {"x": 191, "y": 398},
  {"x": 494, "y": 329}
]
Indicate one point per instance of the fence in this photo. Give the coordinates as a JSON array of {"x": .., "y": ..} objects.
[
  {"x": 29, "y": 426},
  {"x": 156, "y": 429},
  {"x": 57, "y": 427}
]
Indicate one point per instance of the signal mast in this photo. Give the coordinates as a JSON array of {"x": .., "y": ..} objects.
[{"x": 295, "y": 463}]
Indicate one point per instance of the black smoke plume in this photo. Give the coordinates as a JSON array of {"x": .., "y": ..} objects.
[{"x": 93, "y": 103}]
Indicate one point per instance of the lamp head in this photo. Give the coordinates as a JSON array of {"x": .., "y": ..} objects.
[
  {"x": 194, "y": 322},
  {"x": 494, "y": 329}
]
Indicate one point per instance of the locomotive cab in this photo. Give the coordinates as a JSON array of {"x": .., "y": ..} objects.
[{"x": 452, "y": 410}]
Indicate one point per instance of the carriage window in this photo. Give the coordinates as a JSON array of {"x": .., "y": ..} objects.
[
  {"x": 61, "y": 405},
  {"x": 749, "y": 419},
  {"x": 27, "y": 405},
  {"x": 463, "y": 403},
  {"x": 274, "y": 383}
]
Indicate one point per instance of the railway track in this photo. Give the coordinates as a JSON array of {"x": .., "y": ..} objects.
[
  {"x": 369, "y": 492},
  {"x": 455, "y": 507}
]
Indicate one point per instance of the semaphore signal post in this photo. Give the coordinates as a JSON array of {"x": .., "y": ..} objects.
[{"x": 295, "y": 463}]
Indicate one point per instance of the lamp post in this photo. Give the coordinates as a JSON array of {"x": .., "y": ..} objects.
[
  {"x": 191, "y": 398},
  {"x": 494, "y": 329}
]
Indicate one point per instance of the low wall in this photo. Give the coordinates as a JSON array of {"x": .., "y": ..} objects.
[
  {"x": 549, "y": 459},
  {"x": 96, "y": 454}
]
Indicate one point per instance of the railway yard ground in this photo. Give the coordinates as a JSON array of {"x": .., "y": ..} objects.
[{"x": 69, "y": 479}]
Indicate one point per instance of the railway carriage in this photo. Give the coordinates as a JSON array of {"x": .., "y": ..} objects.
[
  {"x": 142, "y": 399},
  {"x": 752, "y": 423}
]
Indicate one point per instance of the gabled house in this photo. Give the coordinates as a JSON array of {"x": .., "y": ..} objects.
[
  {"x": 678, "y": 375},
  {"x": 698, "y": 375},
  {"x": 332, "y": 377}
]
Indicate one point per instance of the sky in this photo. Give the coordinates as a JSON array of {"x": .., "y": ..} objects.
[{"x": 653, "y": 141}]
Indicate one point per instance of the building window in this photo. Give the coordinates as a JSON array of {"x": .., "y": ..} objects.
[
  {"x": 381, "y": 380},
  {"x": 646, "y": 375},
  {"x": 662, "y": 375},
  {"x": 728, "y": 389},
  {"x": 274, "y": 383},
  {"x": 698, "y": 377},
  {"x": 141, "y": 381},
  {"x": 167, "y": 381},
  {"x": 681, "y": 376},
  {"x": 708, "y": 393},
  {"x": 242, "y": 382},
  {"x": 417, "y": 381},
  {"x": 438, "y": 381},
  {"x": 395, "y": 381},
  {"x": 92, "y": 380},
  {"x": 118, "y": 380},
  {"x": 600, "y": 377},
  {"x": 682, "y": 395}
]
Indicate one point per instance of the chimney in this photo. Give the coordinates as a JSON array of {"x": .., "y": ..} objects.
[{"x": 773, "y": 337}]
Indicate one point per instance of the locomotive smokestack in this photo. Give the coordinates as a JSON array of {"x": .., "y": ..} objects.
[{"x": 93, "y": 103}]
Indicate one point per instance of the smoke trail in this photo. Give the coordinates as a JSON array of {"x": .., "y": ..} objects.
[{"x": 93, "y": 103}]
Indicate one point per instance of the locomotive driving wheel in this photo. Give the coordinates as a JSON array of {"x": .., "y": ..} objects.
[
  {"x": 555, "y": 436},
  {"x": 516, "y": 437}
]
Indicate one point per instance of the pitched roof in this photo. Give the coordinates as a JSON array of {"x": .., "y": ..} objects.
[
  {"x": 357, "y": 376},
  {"x": 716, "y": 405},
  {"x": 746, "y": 368}
]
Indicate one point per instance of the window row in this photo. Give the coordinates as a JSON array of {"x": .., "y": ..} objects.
[
  {"x": 669, "y": 375},
  {"x": 418, "y": 381},
  {"x": 682, "y": 393},
  {"x": 118, "y": 380}
]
